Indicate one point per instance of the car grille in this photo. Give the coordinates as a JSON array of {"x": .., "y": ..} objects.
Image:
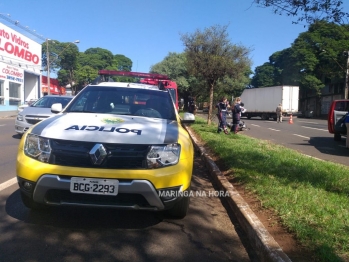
[
  {"x": 121, "y": 199},
  {"x": 119, "y": 156},
  {"x": 33, "y": 119}
]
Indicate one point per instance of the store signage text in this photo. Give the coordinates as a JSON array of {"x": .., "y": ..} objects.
[
  {"x": 17, "y": 47},
  {"x": 12, "y": 73}
]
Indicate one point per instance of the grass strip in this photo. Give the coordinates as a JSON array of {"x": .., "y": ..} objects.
[{"x": 309, "y": 195}]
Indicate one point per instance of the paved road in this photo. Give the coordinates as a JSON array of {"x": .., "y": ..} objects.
[
  {"x": 308, "y": 136},
  {"x": 208, "y": 233}
]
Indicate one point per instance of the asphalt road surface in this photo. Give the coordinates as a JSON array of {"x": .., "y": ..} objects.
[
  {"x": 307, "y": 136},
  {"x": 208, "y": 233}
]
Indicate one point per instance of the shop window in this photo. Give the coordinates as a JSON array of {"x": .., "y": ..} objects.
[
  {"x": 15, "y": 94},
  {"x": 2, "y": 93}
]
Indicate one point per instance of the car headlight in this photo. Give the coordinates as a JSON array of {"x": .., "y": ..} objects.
[
  {"x": 19, "y": 117},
  {"x": 37, "y": 147},
  {"x": 160, "y": 156}
]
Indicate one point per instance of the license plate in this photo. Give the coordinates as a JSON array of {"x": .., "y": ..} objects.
[{"x": 94, "y": 186}]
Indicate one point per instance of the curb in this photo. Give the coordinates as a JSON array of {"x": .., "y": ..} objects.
[{"x": 265, "y": 246}]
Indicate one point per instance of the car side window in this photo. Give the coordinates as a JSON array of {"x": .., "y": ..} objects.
[{"x": 342, "y": 106}]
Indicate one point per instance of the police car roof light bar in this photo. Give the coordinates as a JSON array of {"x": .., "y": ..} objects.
[{"x": 132, "y": 74}]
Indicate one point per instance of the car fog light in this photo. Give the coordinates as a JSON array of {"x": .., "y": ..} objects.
[
  {"x": 28, "y": 186},
  {"x": 169, "y": 193}
]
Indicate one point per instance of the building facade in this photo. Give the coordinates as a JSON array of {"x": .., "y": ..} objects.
[{"x": 20, "y": 69}]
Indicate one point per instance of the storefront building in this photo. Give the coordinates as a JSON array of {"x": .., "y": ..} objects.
[
  {"x": 20, "y": 69},
  {"x": 55, "y": 88}
]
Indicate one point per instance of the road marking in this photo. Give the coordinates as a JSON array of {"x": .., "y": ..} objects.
[
  {"x": 255, "y": 125},
  {"x": 273, "y": 129},
  {"x": 315, "y": 128},
  {"x": 308, "y": 122},
  {"x": 8, "y": 183},
  {"x": 302, "y": 136},
  {"x": 3, "y": 125}
]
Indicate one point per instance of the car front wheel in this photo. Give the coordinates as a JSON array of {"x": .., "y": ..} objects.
[
  {"x": 29, "y": 202},
  {"x": 180, "y": 209}
]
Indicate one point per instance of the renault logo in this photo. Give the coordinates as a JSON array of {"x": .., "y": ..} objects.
[{"x": 98, "y": 154}]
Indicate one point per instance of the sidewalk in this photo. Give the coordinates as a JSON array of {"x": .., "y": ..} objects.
[{"x": 5, "y": 114}]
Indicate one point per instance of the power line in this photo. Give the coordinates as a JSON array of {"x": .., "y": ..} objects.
[{"x": 25, "y": 28}]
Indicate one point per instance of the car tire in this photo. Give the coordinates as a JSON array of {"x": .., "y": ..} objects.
[
  {"x": 180, "y": 209},
  {"x": 29, "y": 202},
  {"x": 265, "y": 117},
  {"x": 337, "y": 137}
]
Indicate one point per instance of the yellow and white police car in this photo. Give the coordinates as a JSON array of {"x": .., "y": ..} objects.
[{"x": 115, "y": 145}]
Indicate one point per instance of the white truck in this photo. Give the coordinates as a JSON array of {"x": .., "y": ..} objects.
[{"x": 262, "y": 102}]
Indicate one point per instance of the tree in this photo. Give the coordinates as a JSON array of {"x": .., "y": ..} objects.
[
  {"x": 211, "y": 57},
  {"x": 264, "y": 76},
  {"x": 123, "y": 63},
  {"x": 308, "y": 11},
  {"x": 68, "y": 62},
  {"x": 98, "y": 58},
  {"x": 63, "y": 57},
  {"x": 174, "y": 66},
  {"x": 314, "y": 60},
  {"x": 85, "y": 75}
]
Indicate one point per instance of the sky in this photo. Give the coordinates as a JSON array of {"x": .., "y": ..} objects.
[{"x": 146, "y": 31}]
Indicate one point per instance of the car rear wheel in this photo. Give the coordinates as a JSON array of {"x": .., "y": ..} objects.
[
  {"x": 265, "y": 117},
  {"x": 29, "y": 202},
  {"x": 180, "y": 209}
]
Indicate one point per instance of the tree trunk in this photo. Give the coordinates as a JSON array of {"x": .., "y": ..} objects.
[
  {"x": 211, "y": 105},
  {"x": 73, "y": 89}
]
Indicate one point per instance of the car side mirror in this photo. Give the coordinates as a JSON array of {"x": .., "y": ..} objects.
[
  {"x": 56, "y": 108},
  {"x": 188, "y": 118}
]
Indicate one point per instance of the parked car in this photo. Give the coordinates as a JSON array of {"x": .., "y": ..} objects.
[
  {"x": 38, "y": 111},
  {"x": 107, "y": 150},
  {"x": 26, "y": 104},
  {"x": 337, "y": 110}
]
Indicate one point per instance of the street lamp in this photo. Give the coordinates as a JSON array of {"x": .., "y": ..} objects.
[{"x": 48, "y": 62}]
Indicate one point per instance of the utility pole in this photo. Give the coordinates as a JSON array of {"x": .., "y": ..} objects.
[{"x": 48, "y": 68}]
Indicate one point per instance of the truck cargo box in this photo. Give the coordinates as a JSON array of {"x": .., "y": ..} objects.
[{"x": 262, "y": 102}]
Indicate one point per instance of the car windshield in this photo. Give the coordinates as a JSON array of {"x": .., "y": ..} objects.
[
  {"x": 48, "y": 101},
  {"x": 124, "y": 101}
]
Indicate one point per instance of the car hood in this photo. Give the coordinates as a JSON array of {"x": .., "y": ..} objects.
[
  {"x": 36, "y": 111},
  {"x": 104, "y": 128}
]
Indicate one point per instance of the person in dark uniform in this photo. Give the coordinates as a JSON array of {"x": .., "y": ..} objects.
[
  {"x": 236, "y": 111},
  {"x": 192, "y": 105},
  {"x": 222, "y": 107}
]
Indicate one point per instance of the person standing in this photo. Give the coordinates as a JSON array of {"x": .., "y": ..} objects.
[
  {"x": 346, "y": 121},
  {"x": 222, "y": 107},
  {"x": 236, "y": 112},
  {"x": 192, "y": 105},
  {"x": 279, "y": 113}
]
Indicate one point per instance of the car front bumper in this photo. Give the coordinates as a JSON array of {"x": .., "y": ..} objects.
[
  {"x": 21, "y": 127},
  {"x": 54, "y": 190}
]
